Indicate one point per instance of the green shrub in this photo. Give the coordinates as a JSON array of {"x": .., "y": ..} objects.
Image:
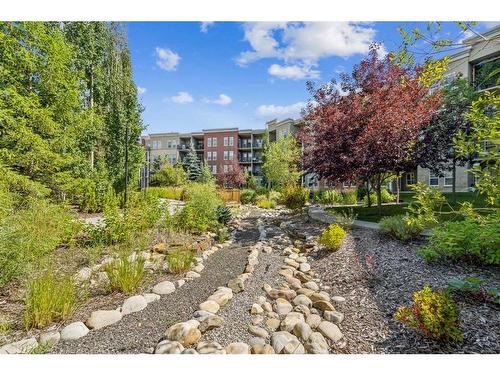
[
  {"x": 332, "y": 237},
  {"x": 169, "y": 192},
  {"x": 49, "y": 298},
  {"x": 346, "y": 218},
  {"x": 224, "y": 215},
  {"x": 275, "y": 196},
  {"x": 200, "y": 211},
  {"x": 433, "y": 313},
  {"x": 221, "y": 233},
  {"x": 169, "y": 175},
  {"x": 385, "y": 195},
  {"x": 179, "y": 260},
  {"x": 263, "y": 201},
  {"x": 426, "y": 202},
  {"x": 261, "y": 190},
  {"x": 294, "y": 196},
  {"x": 125, "y": 274},
  {"x": 476, "y": 288},
  {"x": 400, "y": 227},
  {"x": 29, "y": 234},
  {"x": 247, "y": 196},
  {"x": 330, "y": 197},
  {"x": 470, "y": 239},
  {"x": 349, "y": 197}
]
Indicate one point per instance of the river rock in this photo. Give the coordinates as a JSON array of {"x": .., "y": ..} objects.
[
  {"x": 324, "y": 305},
  {"x": 314, "y": 320},
  {"x": 262, "y": 349},
  {"x": 169, "y": 347},
  {"x": 258, "y": 331},
  {"x": 237, "y": 348},
  {"x": 304, "y": 267},
  {"x": 302, "y": 299},
  {"x": 192, "y": 275},
  {"x": 279, "y": 340},
  {"x": 134, "y": 304},
  {"x": 210, "y": 306},
  {"x": 165, "y": 287},
  {"x": 316, "y": 344},
  {"x": 302, "y": 331},
  {"x": 333, "y": 316},
  {"x": 151, "y": 297},
  {"x": 187, "y": 333},
  {"x": 290, "y": 320},
  {"x": 19, "y": 347},
  {"x": 210, "y": 347},
  {"x": 50, "y": 338},
  {"x": 311, "y": 285},
  {"x": 330, "y": 331},
  {"x": 272, "y": 324},
  {"x": 210, "y": 322},
  {"x": 283, "y": 306},
  {"x": 256, "y": 309},
  {"x": 74, "y": 331},
  {"x": 103, "y": 318}
]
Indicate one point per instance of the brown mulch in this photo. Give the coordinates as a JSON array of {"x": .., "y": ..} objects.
[{"x": 376, "y": 275}]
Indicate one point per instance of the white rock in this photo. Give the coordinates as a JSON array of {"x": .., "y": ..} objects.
[
  {"x": 316, "y": 344},
  {"x": 210, "y": 347},
  {"x": 238, "y": 348},
  {"x": 338, "y": 299},
  {"x": 304, "y": 267},
  {"x": 74, "y": 331},
  {"x": 302, "y": 331},
  {"x": 256, "y": 341},
  {"x": 210, "y": 306},
  {"x": 180, "y": 282},
  {"x": 314, "y": 320},
  {"x": 198, "y": 268},
  {"x": 169, "y": 347},
  {"x": 258, "y": 331},
  {"x": 302, "y": 299},
  {"x": 50, "y": 338},
  {"x": 330, "y": 331},
  {"x": 283, "y": 306},
  {"x": 134, "y": 304},
  {"x": 290, "y": 320},
  {"x": 83, "y": 275},
  {"x": 187, "y": 333},
  {"x": 103, "y": 318},
  {"x": 192, "y": 275},
  {"x": 201, "y": 315},
  {"x": 311, "y": 285},
  {"x": 165, "y": 287},
  {"x": 151, "y": 297},
  {"x": 19, "y": 347},
  {"x": 333, "y": 316},
  {"x": 256, "y": 309},
  {"x": 281, "y": 339}
]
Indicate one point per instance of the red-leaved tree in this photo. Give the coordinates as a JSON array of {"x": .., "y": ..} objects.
[
  {"x": 367, "y": 130},
  {"x": 232, "y": 178}
]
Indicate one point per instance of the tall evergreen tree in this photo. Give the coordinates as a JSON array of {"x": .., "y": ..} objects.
[{"x": 191, "y": 165}]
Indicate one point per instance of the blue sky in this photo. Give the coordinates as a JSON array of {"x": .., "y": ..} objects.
[{"x": 194, "y": 76}]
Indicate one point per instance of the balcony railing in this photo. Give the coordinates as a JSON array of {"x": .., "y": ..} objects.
[{"x": 186, "y": 147}]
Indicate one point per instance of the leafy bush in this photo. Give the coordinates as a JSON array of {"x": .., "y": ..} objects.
[
  {"x": 400, "y": 227},
  {"x": 434, "y": 313},
  {"x": 345, "y": 197},
  {"x": 427, "y": 201},
  {"x": 223, "y": 214},
  {"x": 125, "y": 274},
  {"x": 169, "y": 175},
  {"x": 471, "y": 239},
  {"x": 49, "y": 298},
  {"x": 274, "y": 195},
  {"x": 247, "y": 196},
  {"x": 332, "y": 237},
  {"x": 179, "y": 260},
  {"x": 385, "y": 195},
  {"x": 222, "y": 234},
  {"x": 346, "y": 218},
  {"x": 29, "y": 234},
  {"x": 169, "y": 192},
  {"x": 349, "y": 197},
  {"x": 263, "y": 201},
  {"x": 294, "y": 196},
  {"x": 200, "y": 211}
]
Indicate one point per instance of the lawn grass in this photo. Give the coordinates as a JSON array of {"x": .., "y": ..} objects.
[{"x": 372, "y": 214}]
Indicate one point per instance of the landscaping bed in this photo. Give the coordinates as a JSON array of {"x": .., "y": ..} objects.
[{"x": 376, "y": 275}]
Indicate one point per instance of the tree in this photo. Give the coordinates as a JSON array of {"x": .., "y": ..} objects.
[
  {"x": 191, "y": 165},
  {"x": 435, "y": 144},
  {"x": 169, "y": 175},
  {"x": 370, "y": 133},
  {"x": 232, "y": 178},
  {"x": 281, "y": 161},
  {"x": 206, "y": 174}
]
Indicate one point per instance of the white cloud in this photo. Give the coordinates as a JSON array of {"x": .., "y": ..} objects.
[
  {"x": 182, "y": 97},
  {"x": 141, "y": 90},
  {"x": 293, "y": 72},
  {"x": 272, "y": 111},
  {"x": 205, "y": 26},
  {"x": 167, "y": 59},
  {"x": 302, "y": 44},
  {"x": 223, "y": 99}
]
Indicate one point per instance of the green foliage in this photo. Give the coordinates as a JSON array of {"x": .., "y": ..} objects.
[
  {"x": 472, "y": 239},
  {"x": 49, "y": 298},
  {"x": 221, "y": 233},
  {"x": 262, "y": 201},
  {"x": 281, "y": 162},
  {"x": 170, "y": 192},
  {"x": 332, "y": 237},
  {"x": 200, "y": 211},
  {"x": 206, "y": 176},
  {"x": 334, "y": 197},
  {"x": 28, "y": 235},
  {"x": 294, "y": 196},
  {"x": 426, "y": 202},
  {"x": 191, "y": 165},
  {"x": 434, "y": 313},
  {"x": 346, "y": 218},
  {"x": 169, "y": 175},
  {"x": 179, "y": 260},
  {"x": 483, "y": 140},
  {"x": 247, "y": 196},
  {"x": 275, "y": 196},
  {"x": 400, "y": 227},
  {"x": 224, "y": 215},
  {"x": 476, "y": 288},
  {"x": 385, "y": 195},
  {"x": 349, "y": 197},
  {"x": 125, "y": 274}
]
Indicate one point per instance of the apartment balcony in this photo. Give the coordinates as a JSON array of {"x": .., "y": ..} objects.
[
  {"x": 248, "y": 144},
  {"x": 186, "y": 147}
]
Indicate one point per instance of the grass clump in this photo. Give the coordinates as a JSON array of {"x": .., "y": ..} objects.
[
  {"x": 49, "y": 298},
  {"x": 295, "y": 196},
  {"x": 400, "y": 227},
  {"x": 332, "y": 237},
  {"x": 125, "y": 274},
  {"x": 434, "y": 313},
  {"x": 180, "y": 260},
  {"x": 263, "y": 201}
]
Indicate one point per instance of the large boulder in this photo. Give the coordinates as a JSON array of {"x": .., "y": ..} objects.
[
  {"x": 316, "y": 344},
  {"x": 291, "y": 320}
]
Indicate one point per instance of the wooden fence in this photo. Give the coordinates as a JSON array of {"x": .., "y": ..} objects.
[{"x": 230, "y": 195}]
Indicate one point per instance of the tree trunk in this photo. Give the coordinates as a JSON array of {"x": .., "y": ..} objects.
[
  {"x": 398, "y": 181},
  {"x": 379, "y": 195},
  {"x": 454, "y": 184},
  {"x": 368, "y": 192},
  {"x": 91, "y": 105}
]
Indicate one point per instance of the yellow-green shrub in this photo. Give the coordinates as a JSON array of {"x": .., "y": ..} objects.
[
  {"x": 262, "y": 201},
  {"x": 294, "y": 196},
  {"x": 179, "y": 260},
  {"x": 332, "y": 237},
  {"x": 169, "y": 192},
  {"x": 125, "y": 274},
  {"x": 433, "y": 313},
  {"x": 49, "y": 298}
]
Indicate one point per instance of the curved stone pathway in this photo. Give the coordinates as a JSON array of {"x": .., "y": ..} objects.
[{"x": 141, "y": 331}]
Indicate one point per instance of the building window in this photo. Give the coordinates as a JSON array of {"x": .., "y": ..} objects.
[
  {"x": 156, "y": 145},
  {"x": 225, "y": 168},
  {"x": 410, "y": 178},
  {"x": 433, "y": 179},
  {"x": 214, "y": 142},
  {"x": 174, "y": 143},
  {"x": 486, "y": 74},
  {"x": 214, "y": 169},
  {"x": 209, "y": 142},
  {"x": 225, "y": 155},
  {"x": 230, "y": 167},
  {"x": 209, "y": 155},
  {"x": 231, "y": 141},
  {"x": 169, "y": 144},
  {"x": 214, "y": 155},
  {"x": 448, "y": 178},
  {"x": 225, "y": 141},
  {"x": 231, "y": 155}
]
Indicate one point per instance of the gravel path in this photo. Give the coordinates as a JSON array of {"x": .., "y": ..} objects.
[{"x": 140, "y": 332}]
